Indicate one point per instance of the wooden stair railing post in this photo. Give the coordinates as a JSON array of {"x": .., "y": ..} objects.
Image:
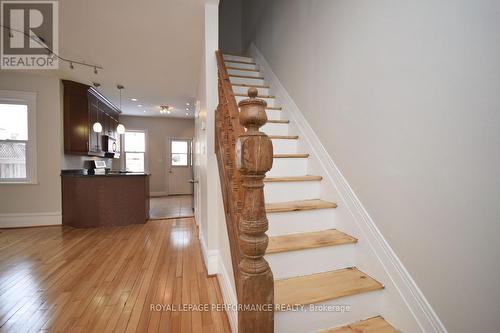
[{"x": 254, "y": 157}]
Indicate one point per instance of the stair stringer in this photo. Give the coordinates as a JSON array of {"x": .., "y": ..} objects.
[{"x": 403, "y": 303}]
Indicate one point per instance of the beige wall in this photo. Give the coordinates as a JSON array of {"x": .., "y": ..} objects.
[
  {"x": 45, "y": 196},
  {"x": 159, "y": 130},
  {"x": 405, "y": 98}
]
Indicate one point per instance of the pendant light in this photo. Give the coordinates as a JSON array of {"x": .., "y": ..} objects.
[
  {"x": 97, "y": 127},
  {"x": 120, "y": 129}
]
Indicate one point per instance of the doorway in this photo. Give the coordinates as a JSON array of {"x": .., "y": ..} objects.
[{"x": 180, "y": 166}]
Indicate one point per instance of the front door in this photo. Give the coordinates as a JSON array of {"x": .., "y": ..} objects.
[{"x": 180, "y": 168}]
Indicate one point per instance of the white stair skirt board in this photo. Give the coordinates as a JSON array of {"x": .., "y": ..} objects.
[
  {"x": 30, "y": 219},
  {"x": 284, "y": 146},
  {"x": 291, "y": 191},
  {"x": 244, "y": 80},
  {"x": 270, "y": 101},
  {"x": 403, "y": 304},
  {"x": 229, "y": 57},
  {"x": 311, "y": 261},
  {"x": 283, "y": 167},
  {"x": 275, "y": 129},
  {"x": 240, "y": 65},
  {"x": 361, "y": 306},
  {"x": 243, "y": 72},
  {"x": 244, "y": 90},
  {"x": 301, "y": 221}
]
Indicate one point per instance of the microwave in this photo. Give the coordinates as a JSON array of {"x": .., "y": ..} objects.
[{"x": 109, "y": 144}]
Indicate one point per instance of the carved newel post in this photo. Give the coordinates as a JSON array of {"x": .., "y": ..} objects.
[{"x": 254, "y": 157}]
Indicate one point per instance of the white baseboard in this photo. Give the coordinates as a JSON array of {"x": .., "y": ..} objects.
[
  {"x": 215, "y": 265},
  {"x": 417, "y": 305},
  {"x": 210, "y": 257},
  {"x": 30, "y": 219},
  {"x": 228, "y": 293}
]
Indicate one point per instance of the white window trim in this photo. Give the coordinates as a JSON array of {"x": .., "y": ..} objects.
[
  {"x": 190, "y": 151},
  {"x": 31, "y": 156},
  {"x": 146, "y": 148}
]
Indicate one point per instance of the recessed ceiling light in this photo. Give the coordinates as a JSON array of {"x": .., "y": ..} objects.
[
  {"x": 140, "y": 105},
  {"x": 187, "y": 113},
  {"x": 187, "y": 109},
  {"x": 188, "y": 104},
  {"x": 168, "y": 111},
  {"x": 144, "y": 111},
  {"x": 134, "y": 99}
]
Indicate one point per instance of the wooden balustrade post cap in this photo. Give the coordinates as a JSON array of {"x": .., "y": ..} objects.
[{"x": 253, "y": 111}]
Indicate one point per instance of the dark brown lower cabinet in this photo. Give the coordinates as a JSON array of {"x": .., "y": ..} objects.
[{"x": 104, "y": 200}]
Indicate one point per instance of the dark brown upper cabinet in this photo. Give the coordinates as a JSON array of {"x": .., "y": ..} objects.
[{"x": 83, "y": 106}]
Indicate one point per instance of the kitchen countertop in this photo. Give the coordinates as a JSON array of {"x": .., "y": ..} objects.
[{"x": 81, "y": 173}]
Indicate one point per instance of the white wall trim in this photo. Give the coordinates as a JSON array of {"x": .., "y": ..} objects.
[
  {"x": 413, "y": 297},
  {"x": 30, "y": 219},
  {"x": 215, "y": 265},
  {"x": 210, "y": 257},
  {"x": 228, "y": 294}
]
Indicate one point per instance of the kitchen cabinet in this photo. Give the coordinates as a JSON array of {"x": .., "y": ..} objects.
[{"x": 83, "y": 106}]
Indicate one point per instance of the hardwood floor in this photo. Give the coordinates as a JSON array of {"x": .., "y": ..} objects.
[
  {"x": 61, "y": 279},
  {"x": 173, "y": 206}
]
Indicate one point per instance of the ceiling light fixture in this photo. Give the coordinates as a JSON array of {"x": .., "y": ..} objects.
[
  {"x": 188, "y": 104},
  {"x": 139, "y": 105},
  {"x": 97, "y": 127},
  {"x": 133, "y": 99},
  {"x": 120, "y": 129}
]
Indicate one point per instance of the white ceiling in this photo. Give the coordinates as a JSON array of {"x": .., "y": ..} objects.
[{"x": 151, "y": 47}]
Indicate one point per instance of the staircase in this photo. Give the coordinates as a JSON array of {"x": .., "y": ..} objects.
[{"x": 311, "y": 260}]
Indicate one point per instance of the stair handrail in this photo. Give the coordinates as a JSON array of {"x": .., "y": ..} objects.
[{"x": 244, "y": 155}]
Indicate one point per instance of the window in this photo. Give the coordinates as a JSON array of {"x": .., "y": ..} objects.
[
  {"x": 17, "y": 137},
  {"x": 135, "y": 149},
  {"x": 180, "y": 152}
]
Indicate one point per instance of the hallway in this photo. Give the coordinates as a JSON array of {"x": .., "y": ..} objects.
[{"x": 106, "y": 279}]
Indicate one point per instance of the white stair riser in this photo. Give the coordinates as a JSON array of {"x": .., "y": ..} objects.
[
  {"x": 275, "y": 129},
  {"x": 249, "y": 81},
  {"x": 311, "y": 261},
  {"x": 284, "y": 146},
  {"x": 243, "y": 72},
  {"x": 240, "y": 65},
  {"x": 274, "y": 114},
  {"x": 300, "y": 221},
  {"x": 244, "y": 90},
  {"x": 291, "y": 191},
  {"x": 229, "y": 57},
  {"x": 284, "y": 167},
  {"x": 269, "y": 101},
  {"x": 362, "y": 306}
]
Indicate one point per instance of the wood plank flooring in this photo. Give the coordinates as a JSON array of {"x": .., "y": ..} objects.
[
  {"x": 172, "y": 206},
  {"x": 61, "y": 279}
]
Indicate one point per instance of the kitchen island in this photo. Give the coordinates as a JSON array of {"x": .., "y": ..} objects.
[{"x": 114, "y": 199}]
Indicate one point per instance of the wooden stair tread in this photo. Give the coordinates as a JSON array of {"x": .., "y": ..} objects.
[
  {"x": 308, "y": 240},
  {"x": 251, "y": 85},
  {"x": 292, "y": 179},
  {"x": 283, "y": 137},
  {"x": 277, "y": 108},
  {"x": 247, "y": 77},
  {"x": 278, "y": 121},
  {"x": 240, "y": 62},
  {"x": 290, "y": 155},
  {"x": 322, "y": 287},
  {"x": 371, "y": 325},
  {"x": 235, "y": 55},
  {"x": 242, "y": 69},
  {"x": 261, "y": 96},
  {"x": 292, "y": 206}
]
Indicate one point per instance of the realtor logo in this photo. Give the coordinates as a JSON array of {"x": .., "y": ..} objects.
[{"x": 29, "y": 31}]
